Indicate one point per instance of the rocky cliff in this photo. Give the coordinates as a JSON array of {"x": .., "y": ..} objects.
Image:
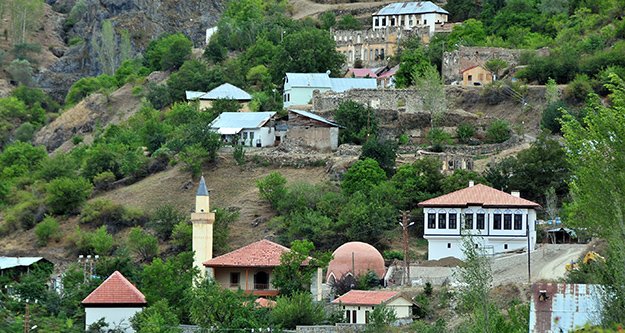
[{"x": 143, "y": 19}]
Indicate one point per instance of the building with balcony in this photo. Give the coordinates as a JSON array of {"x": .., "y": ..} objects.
[
  {"x": 498, "y": 221},
  {"x": 408, "y": 15}
]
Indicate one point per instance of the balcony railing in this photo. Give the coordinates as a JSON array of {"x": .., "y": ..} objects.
[{"x": 261, "y": 286}]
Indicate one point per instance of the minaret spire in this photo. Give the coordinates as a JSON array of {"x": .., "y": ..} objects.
[{"x": 202, "y": 220}]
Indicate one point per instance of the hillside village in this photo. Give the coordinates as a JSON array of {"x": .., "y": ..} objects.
[{"x": 312, "y": 166}]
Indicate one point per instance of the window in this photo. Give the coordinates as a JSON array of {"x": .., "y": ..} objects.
[
  {"x": 497, "y": 221},
  {"x": 410, "y": 22},
  {"x": 470, "y": 78},
  {"x": 480, "y": 221},
  {"x": 384, "y": 21},
  {"x": 425, "y": 21},
  {"x": 261, "y": 281},
  {"x": 288, "y": 97},
  {"x": 348, "y": 317},
  {"x": 244, "y": 135},
  {"x": 382, "y": 54},
  {"x": 235, "y": 278},
  {"x": 505, "y": 246},
  {"x": 453, "y": 218},
  {"x": 449, "y": 245},
  {"x": 392, "y": 21},
  {"x": 442, "y": 221},
  {"x": 507, "y": 221},
  {"x": 377, "y": 22},
  {"x": 480, "y": 77},
  {"x": 518, "y": 221},
  {"x": 432, "y": 221},
  {"x": 468, "y": 221},
  {"x": 366, "y": 317},
  {"x": 354, "y": 316},
  {"x": 251, "y": 135}
]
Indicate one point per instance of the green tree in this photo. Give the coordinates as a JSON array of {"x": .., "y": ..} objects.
[
  {"x": 380, "y": 319},
  {"x": 362, "y": 176},
  {"x": 384, "y": 152},
  {"x": 142, "y": 244},
  {"x": 498, "y": 131},
  {"x": 21, "y": 71},
  {"x": 157, "y": 318},
  {"x": 168, "y": 52},
  {"x": 430, "y": 85},
  {"x": 465, "y": 132},
  {"x": 418, "y": 181},
  {"x": 106, "y": 48},
  {"x": 319, "y": 55},
  {"x": 413, "y": 63},
  {"x": 296, "y": 309},
  {"x": 460, "y": 179},
  {"x": 194, "y": 157},
  {"x": 25, "y": 16},
  {"x": 47, "y": 230},
  {"x": 470, "y": 33},
  {"x": 88, "y": 85},
  {"x": 348, "y": 22},
  {"x": 495, "y": 66},
  {"x": 438, "y": 139},
  {"x": 297, "y": 268},
  {"x": 164, "y": 219},
  {"x": 597, "y": 186},
  {"x": 272, "y": 188},
  {"x": 328, "y": 20},
  {"x": 66, "y": 195},
  {"x": 194, "y": 75},
  {"x": 462, "y": 10},
  {"x": 359, "y": 122}
]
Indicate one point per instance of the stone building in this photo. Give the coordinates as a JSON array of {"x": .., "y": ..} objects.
[
  {"x": 476, "y": 76},
  {"x": 455, "y": 62},
  {"x": 312, "y": 130}
]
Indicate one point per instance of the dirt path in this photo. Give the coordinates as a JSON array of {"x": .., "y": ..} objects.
[
  {"x": 556, "y": 268},
  {"x": 305, "y": 8}
]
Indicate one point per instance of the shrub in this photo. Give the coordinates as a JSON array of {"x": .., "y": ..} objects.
[
  {"x": 498, "y": 131},
  {"x": 25, "y": 132},
  {"x": 77, "y": 139},
  {"x": 194, "y": 157},
  {"x": 438, "y": 138},
  {"x": 465, "y": 132},
  {"x": 46, "y": 230},
  {"x": 577, "y": 91},
  {"x": 103, "y": 180},
  {"x": 164, "y": 220},
  {"x": 142, "y": 244},
  {"x": 362, "y": 176},
  {"x": 131, "y": 70},
  {"x": 88, "y": 85},
  {"x": 298, "y": 309},
  {"x": 97, "y": 242},
  {"x": 239, "y": 154},
  {"x": 60, "y": 165},
  {"x": 182, "y": 236},
  {"x": 66, "y": 195},
  {"x": 168, "y": 52},
  {"x": 113, "y": 216},
  {"x": 385, "y": 153},
  {"x": 26, "y": 214},
  {"x": 21, "y": 71},
  {"x": 158, "y": 95},
  {"x": 393, "y": 254},
  {"x": 551, "y": 117},
  {"x": 359, "y": 121},
  {"x": 272, "y": 188}
]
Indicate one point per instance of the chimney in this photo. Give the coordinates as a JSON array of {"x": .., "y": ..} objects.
[
  {"x": 516, "y": 194},
  {"x": 471, "y": 183}
]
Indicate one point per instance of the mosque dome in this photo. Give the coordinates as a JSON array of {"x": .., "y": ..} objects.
[{"x": 355, "y": 258}]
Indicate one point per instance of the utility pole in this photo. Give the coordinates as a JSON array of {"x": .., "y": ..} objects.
[
  {"x": 529, "y": 272},
  {"x": 27, "y": 319},
  {"x": 405, "y": 223}
]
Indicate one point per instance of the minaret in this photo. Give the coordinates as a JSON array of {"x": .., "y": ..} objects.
[{"x": 202, "y": 220}]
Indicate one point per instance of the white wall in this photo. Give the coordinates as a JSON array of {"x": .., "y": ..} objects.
[
  {"x": 401, "y": 307},
  {"x": 266, "y": 135},
  {"x": 300, "y": 95},
  {"x": 115, "y": 317}
]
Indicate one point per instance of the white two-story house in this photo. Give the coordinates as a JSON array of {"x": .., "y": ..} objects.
[{"x": 499, "y": 221}]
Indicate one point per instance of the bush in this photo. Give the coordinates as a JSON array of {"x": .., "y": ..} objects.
[
  {"x": 498, "y": 131},
  {"x": 21, "y": 71},
  {"x": 164, "y": 220},
  {"x": 385, "y": 153},
  {"x": 362, "y": 176},
  {"x": 577, "y": 91},
  {"x": 130, "y": 70},
  {"x": 168, "y": 52},
  {"x": 142, "y": 244},
  {"x": 88, "y": 85},
  {"x": 360, "y": 122},
  {"x": 25, "y": 132},
  {"x": 393, "y": 254},
  {"x": 298, "y": 309},
  {"x": 239, "y": 154},
  {"x": 103, "y": 180},
  {"x": 113, "y": 216},
  {"x": 194, "y": 157},
  {"x": 182, "y": 236},
  {"x": 272, "y": 188},
  {"x": 465, "y": 132},
  {"x": 438, "y": 138},
  {"x": 46, "y": 230},
  {"x": 25, "y": 214},
  {"x": 551, "y": 117},
  {"x": 66, "y": 195},
  {"x": 97, "y": 242}
]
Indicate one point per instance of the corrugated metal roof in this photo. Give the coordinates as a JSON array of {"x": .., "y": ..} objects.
[
  {"x": 241, "y": 120},
  {"x": 401, "y": 8},
  {"x": 317, "y": 80},
  {"x": 344, "y": 84},
  {"x": 315, "y": 117},
  {"x": 227, "y": 91},
  {"x": 565, "y": 308},
  {"x": 10, "y": 262},
  {"x": 193, "y": 95}
]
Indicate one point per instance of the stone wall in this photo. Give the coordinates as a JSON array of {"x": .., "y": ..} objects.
[
  {"x": 407, "y": 100},
  {"x": 338, "y": 328},
  {"x": 455, "y": 62}
]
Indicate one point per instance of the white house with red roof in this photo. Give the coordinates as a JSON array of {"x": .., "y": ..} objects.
[
  {"x": 499, "y": 221},
  {"x": 116, "y": 300},
  {"x": 249, "y": 268},
  {"x": 358, "y": 304}
]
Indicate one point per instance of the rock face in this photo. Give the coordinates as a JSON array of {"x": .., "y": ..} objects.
[{"x": 143, "y": 19}]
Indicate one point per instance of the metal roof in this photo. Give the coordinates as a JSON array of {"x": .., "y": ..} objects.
[
  {"x": 315, "y": 117},
  {"x": 227, "y": 91},
  {"x": 193, "y": 95},
  {"x": 240, "y": 120},
  {"x": 201, "y": 189},
  {"x": 564, "y": 307},
  {"x": 344, "y": 84},
  {"x": 316, "y": 80},
  {"x": 402, "y": 8},
  {"x": 10, "y": 262}
]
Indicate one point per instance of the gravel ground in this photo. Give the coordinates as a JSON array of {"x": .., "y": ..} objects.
[{"x": 547, "y": 263}]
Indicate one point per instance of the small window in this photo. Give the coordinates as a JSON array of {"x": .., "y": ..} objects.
[
  {"x": 432, "y": 221},
  {"x": 244, "y": 135},
  {"x": 468, "y": 221},
  {"x": 518, "y": 221},
  {"x": 505, "y": 246},
  {"x": 449, "y": 245},
  {"x": 354, "y": 318},
  {"x": 251, "y": 135},
  {"x": 480, "y": 221},
  {"x": 470, "y": 77},
  {"x": 366, "y": 317},
  {"x": 453, "y": 219},
  {"x": 477, "y": 246},
  {"x": 497, "y": 221},
  {"x": 507, "y": 221},
  {"x": 348, "y": 317},
  {"x": 425, "y": 21},
  {"x": 235, "y": 278},
  {"x": 442, "y": 221}
]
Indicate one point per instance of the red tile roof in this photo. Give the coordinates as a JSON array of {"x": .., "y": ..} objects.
[
  {"x": 263, "y": 253},
  {"x": 475, "y": 66},
  {"x": 478, "y": 195},
  {"x": 362, "y": 72},
  {"x": 366, "y": 297},
  {"x": 115, "y": 290}
]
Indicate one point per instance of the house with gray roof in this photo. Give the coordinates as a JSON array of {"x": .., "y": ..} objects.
[
  {"x": 409, "y": 15},
  {"x": 224, "y": 91},
  {"x": 298, "y": 87},
  {"x": 311, "y": 130},
  {"x": 254, "y": 129}
]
